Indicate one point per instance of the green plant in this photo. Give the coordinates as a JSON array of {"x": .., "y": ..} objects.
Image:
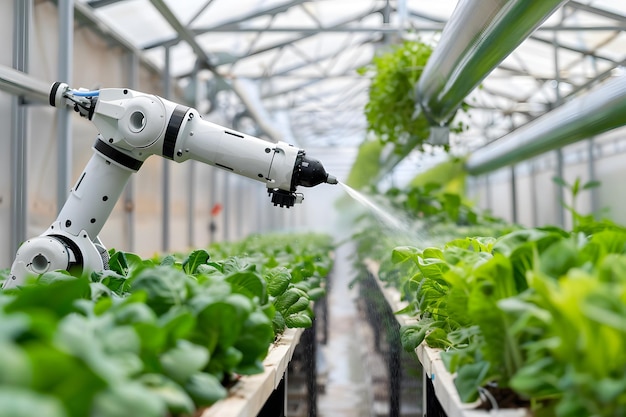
[
  {"x": 153, "y": 337},
  {"x": 391, "y": 107},
  {"x": 522, "y": 311},
  {"x": 575, "y": 188}
]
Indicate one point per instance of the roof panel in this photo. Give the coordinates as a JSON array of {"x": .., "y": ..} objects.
[
  {"x": 137, "y": 21},
  {"x": 303, "y": 53}
]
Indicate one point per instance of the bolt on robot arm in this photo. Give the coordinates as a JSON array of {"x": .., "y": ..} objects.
[{"x": 133, "y": 126}]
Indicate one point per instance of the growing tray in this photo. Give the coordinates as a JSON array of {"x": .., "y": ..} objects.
[
  {"x": 434, "y": 369},
  {"x": 248, "y": 396}
]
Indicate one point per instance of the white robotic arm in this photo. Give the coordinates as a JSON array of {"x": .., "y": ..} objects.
[{"x": 132, "y": 127}]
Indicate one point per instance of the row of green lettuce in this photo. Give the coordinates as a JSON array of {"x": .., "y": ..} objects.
[
  {"x": 154, "y": 337},
  {"x": 539, "y": 311}
]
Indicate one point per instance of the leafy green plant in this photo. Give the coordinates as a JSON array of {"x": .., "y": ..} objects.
[
  {"x": 575, "y": 189},
  {"x": 152, "y": 337},
  {"x": 392, "y": 111},
  {"x": 522, "y": 311},
  {"x": 391, "y": 107}
]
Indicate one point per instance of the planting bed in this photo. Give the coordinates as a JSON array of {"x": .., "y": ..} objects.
[{"x": 199, "y": 333}]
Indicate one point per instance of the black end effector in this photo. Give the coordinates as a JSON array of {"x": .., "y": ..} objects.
[
  {"x": 309, "y": 172},
  {"x": 284, "y": 198}
]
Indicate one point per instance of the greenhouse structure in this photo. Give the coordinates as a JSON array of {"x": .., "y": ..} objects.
[{"x": 346, "y": 208}]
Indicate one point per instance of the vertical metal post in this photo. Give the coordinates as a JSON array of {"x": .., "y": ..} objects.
[
  {"x": 591, "y": 161},
  {"x": 513, "y": 194},
  {"x": 64, "y": 133},
  {"x": 488, "y": 192},
  {"x": 191, "y": 204},
  {"x": 591, "y": 170},
  {"x": 560, "y": 172},
  {"x": 165, "y": 221},
  {"x": 260, "y": 212},
  {"x": 309, "y": 346},
  {"x": 395, "y": 371},
  {"x": 560, "y": 210},
  {"x": 22, "y": 16},
  {"x": 129, "y": 193},
  {"x": 228, "y": 206},
  {"x": 191, "y": 184},
  {"x": 213, "y": 224},
  {"x": 239, "y": 198},
  {"x": 533, "y": 193},
  {"x": 402, "y": 13},
  {"x": 386, "y": 12}
]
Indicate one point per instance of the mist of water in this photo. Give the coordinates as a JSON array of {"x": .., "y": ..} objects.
[
  {"x": 394, "y": 220},
  {"x": 384, "y": 216}
]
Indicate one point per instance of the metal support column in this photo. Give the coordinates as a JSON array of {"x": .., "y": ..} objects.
[
  {"x": 591, "y": 170},
  {"x": 228, "y": 206},
  {"x": 488, "y": 193},
  {"x": 559, "y": 152},
  {"x": 513, "y": 194},
  {"x": 129, "y": 193},
  {"x": 239, "y": 201},
  {"x": 191, "y": 183},
  {"x": 19, "y": 120},
  {"x": 560, "y": 171},
  {"x": 533, "y": 193},
  {"x": 165, "y": 203},
  {"x": 191, "y": 203},
  {"x": 64, "y": 132},
  {"x": 213, "y": 200}
]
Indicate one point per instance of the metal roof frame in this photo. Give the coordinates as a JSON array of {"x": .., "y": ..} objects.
[{"x": 281, "y": 56}]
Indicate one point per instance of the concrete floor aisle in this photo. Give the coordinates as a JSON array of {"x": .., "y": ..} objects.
[{"x": 343, "y": 358}]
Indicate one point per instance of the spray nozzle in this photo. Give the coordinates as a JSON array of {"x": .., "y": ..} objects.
[
  {"x": 309, "y": 172},
  {"x": 331, "y": 179}
]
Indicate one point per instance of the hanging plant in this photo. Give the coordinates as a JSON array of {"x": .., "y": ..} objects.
[{"x": 392, "y": 112}]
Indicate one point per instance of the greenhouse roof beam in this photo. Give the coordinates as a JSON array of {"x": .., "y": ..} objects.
[
  {"x": 183, "y": 33},
  {"x": 597, "y": 11},
  {"x": 279, "y": 45},
  {"x": 287, "y": 72},
  {"x": 84, "y": 15},
  {"x": 309, "y": 81},
  {"x": 479, "y": 36},
  {"x": 241, "y": 90},
  {"x": 384, "y": 28},
  {"x": 596, "y": 112},
  {"x": 421, "y": 15},
  {"x": 262, "y": 12},
  {"x": 199, "y": 12},
  {"x": 304, "y": 36},
  {"x": 595, "y": 80},
  {"x": 586, "y": 52}
]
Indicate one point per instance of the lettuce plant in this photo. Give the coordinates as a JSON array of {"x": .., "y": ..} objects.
[
  {"x": 539, "y": 311},
  {"x": 152, "y": 337}
]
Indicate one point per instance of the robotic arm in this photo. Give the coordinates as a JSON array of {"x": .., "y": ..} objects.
[{"x": 134, "y": 126}]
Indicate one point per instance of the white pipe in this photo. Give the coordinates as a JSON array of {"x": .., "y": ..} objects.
[
  {"x": 598, "y": 111},
  {"x": 479, "y": 36}
]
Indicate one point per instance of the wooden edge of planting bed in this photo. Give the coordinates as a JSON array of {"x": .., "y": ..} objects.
[
  {"x": 434, "y": 369},
  {"x": 247, "y": 397}
]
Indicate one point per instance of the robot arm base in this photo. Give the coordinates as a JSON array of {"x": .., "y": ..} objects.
[{"x": 53, "y": 252}]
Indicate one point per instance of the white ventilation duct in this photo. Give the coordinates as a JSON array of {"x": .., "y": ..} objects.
[
  {"x": 479, "y": 35},
  {"x": 598, "y": 111}
]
